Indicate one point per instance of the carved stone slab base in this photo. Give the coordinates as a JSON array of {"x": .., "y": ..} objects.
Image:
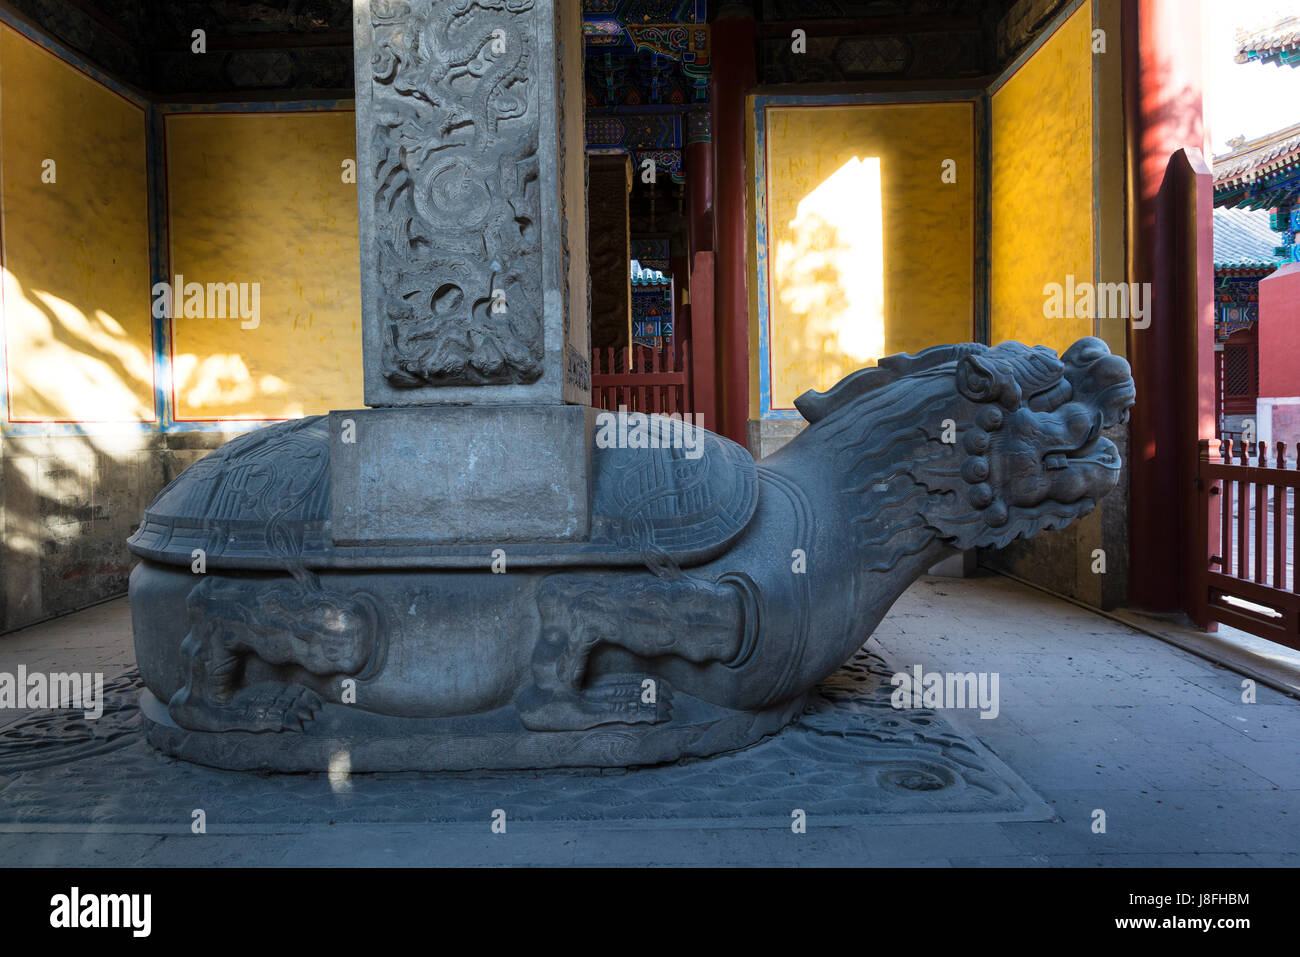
[
  {"x": 850, "y": 758},
  {"x": 367, "y": 742}
]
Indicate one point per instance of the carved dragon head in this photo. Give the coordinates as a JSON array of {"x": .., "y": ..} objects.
[{"x": 974, "y": 445}]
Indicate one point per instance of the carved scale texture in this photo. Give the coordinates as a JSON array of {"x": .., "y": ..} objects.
[{"x": 262, "y": 500}]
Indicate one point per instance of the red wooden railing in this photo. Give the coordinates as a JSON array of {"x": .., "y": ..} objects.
[
  {"x": 1251, "y": 584},
  {"x": 642, "y": 379}
]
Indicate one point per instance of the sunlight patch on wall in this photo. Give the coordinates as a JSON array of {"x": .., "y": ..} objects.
[
  {"x": 77, "y": 328},
  {"x": 868, "y": 248},
  {"x": 830, "y": 272},
  {"x": 71, "y": 364},
  {"x": 225, "y": 378}
]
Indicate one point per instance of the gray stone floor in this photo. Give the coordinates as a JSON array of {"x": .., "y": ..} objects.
[{"x": 1093, "y": 716}]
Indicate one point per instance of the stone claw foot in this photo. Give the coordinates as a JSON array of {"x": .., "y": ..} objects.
[
  {"x": 269, "y": 706},
  {"x": 616, "y": 699}
]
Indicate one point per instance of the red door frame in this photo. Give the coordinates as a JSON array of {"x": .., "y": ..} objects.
[{"x": 1170, "y": 245}]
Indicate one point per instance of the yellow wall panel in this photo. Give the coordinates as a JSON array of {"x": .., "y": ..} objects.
[
  {"x": 1042, "y": 202},
  {"x": 260, "y": 198},
  {"x": 869, "y": 251},
  {"x": 77, "y": 328}
]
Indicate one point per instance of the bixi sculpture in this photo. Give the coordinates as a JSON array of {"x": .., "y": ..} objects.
[
  {"x": 708, "y": 596},
  {"x": 471, "y": 573}
]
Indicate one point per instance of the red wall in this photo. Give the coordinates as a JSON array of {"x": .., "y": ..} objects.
[{"x": 1279, "y": 332}]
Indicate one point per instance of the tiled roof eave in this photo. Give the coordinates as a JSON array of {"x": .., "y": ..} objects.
[
  {"x": 1244, "y": 267},
  {"x": 1275, "y": 156},
  {"x": 1278, "y": 39},
  {"x": 1278, "y": 167},
  {"x": 1270, "y": 54}
]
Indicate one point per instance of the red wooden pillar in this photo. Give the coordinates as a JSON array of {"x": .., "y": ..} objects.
[
  {"x": 733, "y": 74},
  {"x": 1170, "y": 240},
  {"x": 699, "y": 246},
  {"x": 699, "y": 190}
]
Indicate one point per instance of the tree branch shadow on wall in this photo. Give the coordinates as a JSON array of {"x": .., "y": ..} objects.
[{"x": 70, "y": 499}]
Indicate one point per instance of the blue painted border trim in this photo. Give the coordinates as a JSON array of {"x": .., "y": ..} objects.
[
  {"x": 260, "y": 106},
  {"x": 156, "y": 187},
  {"x": 759, "y": 182},
  {"x": 10, "y": 19},
  {"x": 156, "y": 168}
]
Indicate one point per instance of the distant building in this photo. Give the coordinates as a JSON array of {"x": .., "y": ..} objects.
[
  {"x": 1243, "y": 255},
  {"x": 1257, "y": 375},
  {"x": 1277, "y": 43}
]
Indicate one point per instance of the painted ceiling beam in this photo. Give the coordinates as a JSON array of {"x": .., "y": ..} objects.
[{"x": 871, "y": 26}]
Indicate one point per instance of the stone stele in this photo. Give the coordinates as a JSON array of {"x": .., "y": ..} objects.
[
  {"x": 479, "y": 571},
  {"x": 472, "y": 201}
]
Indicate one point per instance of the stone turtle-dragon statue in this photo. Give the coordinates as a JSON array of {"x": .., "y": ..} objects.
[{"x": 710, "y": 597}]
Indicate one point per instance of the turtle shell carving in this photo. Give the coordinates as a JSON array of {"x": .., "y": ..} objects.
[{"x": 262, "y": 501}]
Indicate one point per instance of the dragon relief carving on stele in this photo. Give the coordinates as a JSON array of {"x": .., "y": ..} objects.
[{"x": 456, "y": 192}]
